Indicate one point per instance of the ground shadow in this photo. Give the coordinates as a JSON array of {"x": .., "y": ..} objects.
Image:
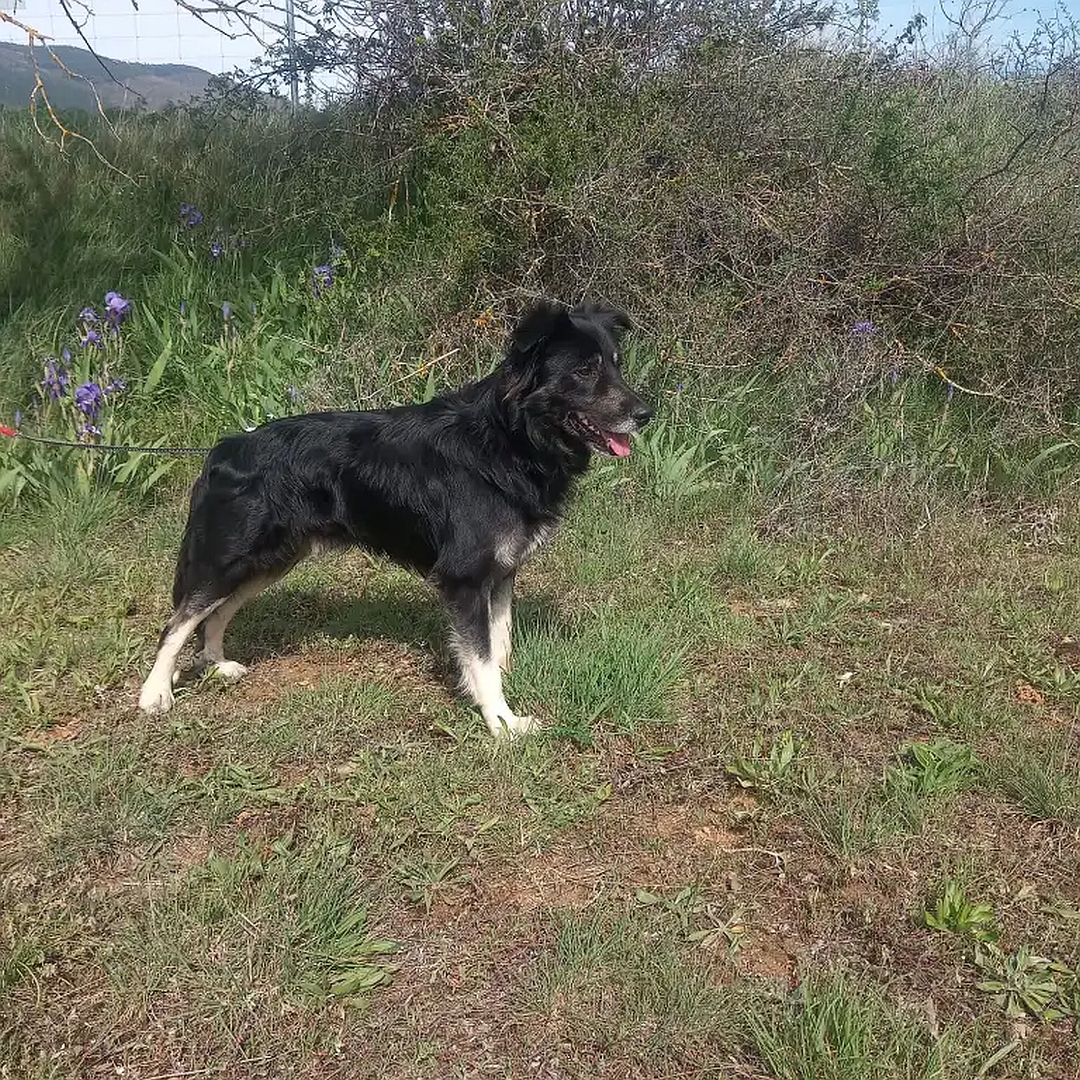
[{"x": 283, "y": 620}]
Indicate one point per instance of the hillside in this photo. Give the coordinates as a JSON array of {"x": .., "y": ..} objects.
[{"x": 158, "y": 85}]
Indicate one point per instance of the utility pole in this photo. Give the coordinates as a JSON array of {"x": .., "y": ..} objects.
[{"x": 290, "y": 34}]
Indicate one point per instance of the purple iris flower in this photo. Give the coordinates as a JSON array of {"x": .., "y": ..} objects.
[
  {"x": 89, "y": 399},
  {"x": 190, "y": 216},
  {"x": 92, "y": 337},
  {"x": 117, "y": 308},
  {"x": 89, "y": 315},
  {"x": 89, "y": 431},
  {"x": 322, "y": 278},
  {"x": 117, "y": 386},
  {"x": 864, "y": 328},
  {"x": 56, "y": 379},
  {"x": 216, "y": 249}
]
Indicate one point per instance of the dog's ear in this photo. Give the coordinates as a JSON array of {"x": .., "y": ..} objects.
[
  {"x": 543, "y": 321},
  {"x": 614, "y": 321},
  {"x": 524, "y": 366}
]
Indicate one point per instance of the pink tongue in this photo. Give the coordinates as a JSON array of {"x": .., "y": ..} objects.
[{"x": 618, "y": 444}]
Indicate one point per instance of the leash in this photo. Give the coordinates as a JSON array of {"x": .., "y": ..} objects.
[{"x": 173, "y": 451}]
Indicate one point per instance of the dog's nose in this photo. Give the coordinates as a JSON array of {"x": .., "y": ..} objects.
[{"x": 642, "y": 415}]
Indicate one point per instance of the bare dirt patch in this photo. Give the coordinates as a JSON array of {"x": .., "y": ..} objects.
[
  {"x": 187, "y": 851},
  {"x": 392, "y": 663},
  {"x": 564, "y": 877}
]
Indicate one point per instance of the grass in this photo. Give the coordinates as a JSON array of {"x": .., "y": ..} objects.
[
  {"x": 792, "y": 746},
  {"x": 621, "y": 670},
  {"x": 835, "y": 1029},
  {"x": 804, "y": 662},
  {"x": 1040, "y": 775},
  {"x": 616, "y": 987}
]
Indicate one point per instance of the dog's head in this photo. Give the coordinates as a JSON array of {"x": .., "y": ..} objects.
[{"x": 564, "y": 371}]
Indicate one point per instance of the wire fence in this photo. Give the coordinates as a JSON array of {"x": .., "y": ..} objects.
[
  {"x": 157, "y": 32},
  {"x": 202, "y": 33}
]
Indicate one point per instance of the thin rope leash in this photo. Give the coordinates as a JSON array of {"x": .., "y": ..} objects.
[
  {"x": 179, "y": 451},
  {"x": 173, "y": 451}
]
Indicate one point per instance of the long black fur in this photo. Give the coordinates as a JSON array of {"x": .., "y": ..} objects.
[{"x": 445, "y": 488}]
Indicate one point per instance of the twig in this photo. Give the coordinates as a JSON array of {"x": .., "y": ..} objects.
[
  {"x": 994, "y": 396},
  {"x": 34, "y": 37},
  {"x": 77, "y": 26},
  {"x": 209, "y": 1069}
]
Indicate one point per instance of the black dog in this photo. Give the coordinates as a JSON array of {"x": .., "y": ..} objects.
[{"x": 462, "y": 489}]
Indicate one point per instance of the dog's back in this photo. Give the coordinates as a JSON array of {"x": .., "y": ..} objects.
[
  {"x": 266, "y": 496},
  {"x": 461, "y": 489}
]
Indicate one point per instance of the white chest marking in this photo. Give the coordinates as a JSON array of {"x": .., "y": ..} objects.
[{"x": 511, "y": 551}]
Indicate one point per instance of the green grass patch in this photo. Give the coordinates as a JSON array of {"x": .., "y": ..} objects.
[
  {"x": 607, "y": 669},
  {"x": 1041, "y": 775},
  {"x": 288, "y": 921},
  {"x": 612, "y": 983},
  {"x": 836, "y": 1028}
]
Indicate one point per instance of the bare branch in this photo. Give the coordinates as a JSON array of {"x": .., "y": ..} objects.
[
  {"x": 39, "y": 93},
  {"x": 77, "y": 26}
]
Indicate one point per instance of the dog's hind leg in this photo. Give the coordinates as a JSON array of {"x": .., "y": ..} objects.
[
  {"x": 471, "y": 640},
  {"x": 502, "y": 600},
  {"x": 212, "y": 653},
  {"x": 156, "y": 695}
]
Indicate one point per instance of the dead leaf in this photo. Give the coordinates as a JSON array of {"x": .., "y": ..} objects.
[
  {"x": 65, "y": 732},
  {"x": 1026, "y": 694}
]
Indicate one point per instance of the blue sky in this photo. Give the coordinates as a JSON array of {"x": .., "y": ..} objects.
[
  {"x": 1022, "y": 17},
  {"x": 161, "y": 33}
]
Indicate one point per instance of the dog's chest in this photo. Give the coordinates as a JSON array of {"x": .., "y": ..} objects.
[{"x": 516, "y": 547}]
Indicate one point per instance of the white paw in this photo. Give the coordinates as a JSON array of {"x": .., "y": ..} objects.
[
  {"x": 229, "y": 670},
  {"x": 155, "y": 699},
  {"x": 513, "y": 727}
]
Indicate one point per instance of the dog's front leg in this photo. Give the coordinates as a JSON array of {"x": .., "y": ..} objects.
[
  {"x": 471, "y": 639},
  {"x": 502, "y": 600}
]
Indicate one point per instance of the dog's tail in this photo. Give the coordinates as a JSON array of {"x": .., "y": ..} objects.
[{"x": 183, "y": 582}]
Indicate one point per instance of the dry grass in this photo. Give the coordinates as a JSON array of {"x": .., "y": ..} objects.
[{"x": 175, "y": 893}]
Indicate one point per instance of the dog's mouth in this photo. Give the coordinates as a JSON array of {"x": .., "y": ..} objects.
[{"x": 615, "y": 443}]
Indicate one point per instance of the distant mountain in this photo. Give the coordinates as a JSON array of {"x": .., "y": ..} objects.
[{"x": 159, "y": 84}]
